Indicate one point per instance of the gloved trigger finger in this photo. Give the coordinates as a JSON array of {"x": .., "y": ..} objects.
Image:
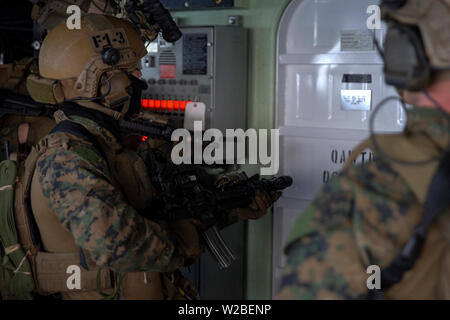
[
  {"x": 262, "y": 204},
  {"x": 277, "y": 195}
]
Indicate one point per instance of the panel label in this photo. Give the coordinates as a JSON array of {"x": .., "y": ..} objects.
[
  {"x": 195, "y": 54},
  {"x": 356, "y": 40},
  {"x": 356, "y": 100}
]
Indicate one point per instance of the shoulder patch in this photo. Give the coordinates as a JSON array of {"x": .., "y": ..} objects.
[{"x": 88, "y": 154}]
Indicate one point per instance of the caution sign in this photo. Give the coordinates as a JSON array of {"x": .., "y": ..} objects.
[{"x": 339, "y": 157}]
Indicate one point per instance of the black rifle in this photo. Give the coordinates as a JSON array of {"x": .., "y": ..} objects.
[
  {"x": 14, "y": 104},
  {"x": 187, "y": 191}
]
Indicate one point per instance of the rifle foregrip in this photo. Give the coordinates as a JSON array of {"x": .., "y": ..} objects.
[{"x": 280, "y": 183}]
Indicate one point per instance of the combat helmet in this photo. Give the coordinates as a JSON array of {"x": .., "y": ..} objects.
[
  {"x": 89, "y": 64},
  {"x": 417, "y": 45}
]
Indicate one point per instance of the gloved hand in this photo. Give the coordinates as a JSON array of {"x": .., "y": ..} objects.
[
  {"x": 259, "y": 205},
  {"x": 186, "y": 237}
]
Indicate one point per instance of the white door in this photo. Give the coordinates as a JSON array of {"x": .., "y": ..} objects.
[{"x": 329, "y": 79}]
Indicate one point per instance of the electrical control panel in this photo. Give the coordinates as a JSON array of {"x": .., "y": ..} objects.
[{"x": 208, "y": 65}]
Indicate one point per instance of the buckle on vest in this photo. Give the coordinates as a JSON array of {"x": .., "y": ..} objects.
[{"x": 43, "y": 143}]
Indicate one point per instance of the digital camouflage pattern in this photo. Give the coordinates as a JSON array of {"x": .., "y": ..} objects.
[
  {"x": 80, "y": 189},
  {"x": 363, "y": 217}
]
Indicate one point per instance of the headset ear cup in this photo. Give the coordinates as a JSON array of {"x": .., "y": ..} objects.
[
  {"x": 393, "y": 4},
  {"x": 406, "y": 65},
  {"x": 422, "y": 72},
  {"x": 58, "y": 92}
]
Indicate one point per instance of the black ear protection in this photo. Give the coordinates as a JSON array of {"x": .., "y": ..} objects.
[
  {"x": 110, "y": 56},
  {"x": 393, "y": 4},
  {"x": 405, "y": 63}
]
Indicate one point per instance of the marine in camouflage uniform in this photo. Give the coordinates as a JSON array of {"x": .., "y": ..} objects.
[
  {"x": 87, "y": 187},
  {"x": 366, "y": 214},
  {"x": 77, "y": 180}
]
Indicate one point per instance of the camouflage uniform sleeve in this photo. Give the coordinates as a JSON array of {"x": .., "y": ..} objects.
[
  {"x": 100, "y": 219},
  {"x": 323, "y": 257}
]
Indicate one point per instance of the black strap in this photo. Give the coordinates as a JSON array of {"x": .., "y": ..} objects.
[
  {"x": 83, "y": 261},
  {"x": 438, "y": 199},
  {"x": 104, "y": 121},
  {"x": 78, "y": 130}
]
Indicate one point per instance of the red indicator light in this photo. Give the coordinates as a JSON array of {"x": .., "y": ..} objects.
[
  {"x": 157, "y": 104},
  {"x": 144, "y": 103},
  {"x": 144, "y": 138},
  {"x": 170, "y": 104},
  {"x": 183, "y": 105},
  {"x": 151, "y": 104},
  {"x": 164, "y": 104},
  {"x": 176, "y": 105}
]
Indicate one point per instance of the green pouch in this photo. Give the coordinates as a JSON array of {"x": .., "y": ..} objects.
[{"x": 16, "y": 278}]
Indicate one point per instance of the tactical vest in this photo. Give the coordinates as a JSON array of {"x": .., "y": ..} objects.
[
  {"x": 56, "y": 250},
  {"x": 428, "y": 277},
  {"x": 49, "y": 267}
]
